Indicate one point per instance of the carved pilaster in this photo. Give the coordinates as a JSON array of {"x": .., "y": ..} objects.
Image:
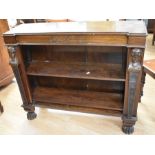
[
  {"x": 133, "y": 76},
  {"x": 15, "y": 66},
  {"x": 14, "y": 62}
]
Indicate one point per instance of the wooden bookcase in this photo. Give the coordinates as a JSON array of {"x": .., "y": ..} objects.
[{"x": 90, "y": 67}]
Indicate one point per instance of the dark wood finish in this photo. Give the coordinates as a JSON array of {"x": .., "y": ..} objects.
[
  {"x": 6, "y": 74},
  {"x": 150, "y": 26},
  {"x": 1, "y": 108},
  {"x": 78, "y": 84},
  {"x": 142, "y": 84},
  {"x": 21, "y": 21},
  {"x": 153, "y": 39},
  {"x": 80, "y": 66},
  {"x": 132, "y": 89}
]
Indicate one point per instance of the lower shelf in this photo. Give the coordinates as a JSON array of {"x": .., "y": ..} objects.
[{"x": 79, "y": 99}]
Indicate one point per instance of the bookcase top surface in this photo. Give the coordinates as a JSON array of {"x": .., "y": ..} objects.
[{"x": 126, "y": 27}]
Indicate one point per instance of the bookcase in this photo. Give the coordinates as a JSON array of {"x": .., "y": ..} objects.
[{"x": 92, "y": 67}]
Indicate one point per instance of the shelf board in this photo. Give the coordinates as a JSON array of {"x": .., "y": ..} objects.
[
  {"x": 111, "y": 72},
  {"x": 79, "y": 98},
  {"x": 79, "y": 109}
]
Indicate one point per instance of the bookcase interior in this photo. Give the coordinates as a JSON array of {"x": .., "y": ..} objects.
[{"x": 84, "y": 76}]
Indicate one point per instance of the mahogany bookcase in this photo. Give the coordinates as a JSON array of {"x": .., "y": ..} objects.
[{"x": 92, "y": 67}]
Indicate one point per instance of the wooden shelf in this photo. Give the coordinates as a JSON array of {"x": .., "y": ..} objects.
[
  {"x": 112, "y": 72},
  {"x": 80, "y": 98}
]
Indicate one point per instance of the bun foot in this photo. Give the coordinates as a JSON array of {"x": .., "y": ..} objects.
[
  {"x": 31, "y": 115},
  {"x": 128, "y": 129}
]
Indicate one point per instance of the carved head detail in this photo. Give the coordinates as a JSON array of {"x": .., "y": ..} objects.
[
  {"x": 12, "y": 52},
  {"x": 136, "y": 55}
]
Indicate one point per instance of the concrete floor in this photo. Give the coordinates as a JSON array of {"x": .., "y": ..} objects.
[{"x": 14, "y": 121}]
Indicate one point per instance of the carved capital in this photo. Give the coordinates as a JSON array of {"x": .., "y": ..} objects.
[
  {"x": 12, "y": 55},
  {"x": 136, "y": 56}
]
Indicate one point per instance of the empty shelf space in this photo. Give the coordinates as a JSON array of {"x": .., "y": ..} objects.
[
  {"x": 77, "y": 70},
  {"x": 80, "y": 98}
]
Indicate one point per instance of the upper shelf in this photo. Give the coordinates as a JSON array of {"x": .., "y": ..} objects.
[
  {"x": 111, "y": 72},
  {"x": 123, "y": 27}
]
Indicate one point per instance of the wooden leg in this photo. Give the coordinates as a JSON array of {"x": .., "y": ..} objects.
[
  {"x": 1, "y": 108},
  {"x": 29, "y": 107},
  {"x": 129, "y": 117},
  {"x": 153, "y": 39}
]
